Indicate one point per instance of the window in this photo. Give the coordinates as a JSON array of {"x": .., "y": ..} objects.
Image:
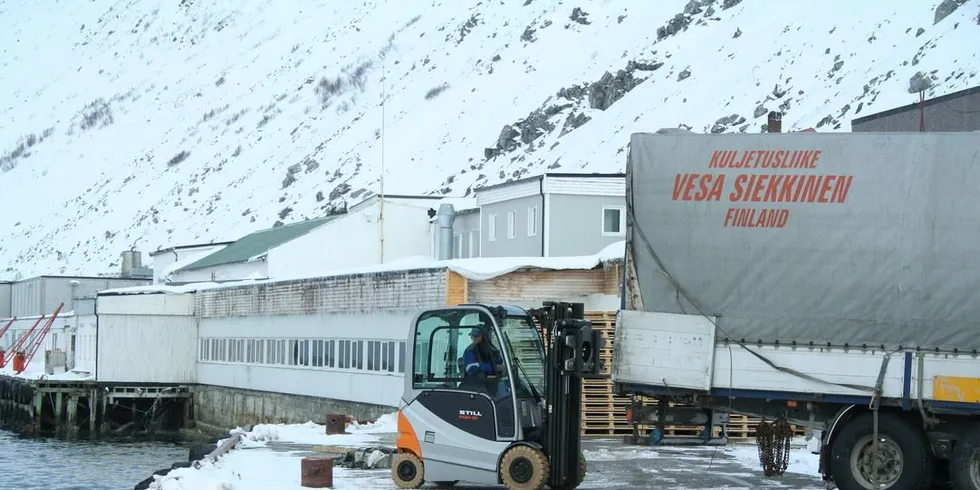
[
  {"x": 328, "y": 357},
  {"x": 511, "y": 224},
  {"x": 492, "y": 227},
  {"x": 401, "y": 357},
  {"x": 532, "y": 221},
  {"x": 351, "y": 354},
  {"x": 374, "y": 355},
  {"x": 458, "y": 238},
  {"x": 388, "y": 359},
  {"x": 317, "y": 357},
  {"x": 440, "y": 339},
  {"x": 474, "y": 244},
  {"x": 613, "y": 220}
]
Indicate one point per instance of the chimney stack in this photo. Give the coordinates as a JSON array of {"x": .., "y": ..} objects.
[{"x": 775, "y": 124}]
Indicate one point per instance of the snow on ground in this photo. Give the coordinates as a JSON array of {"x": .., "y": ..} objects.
[
  {"x": 256, "y": 464},
  {"x": 35, "y": 371},
  {"x": 253, "y": 466},
  {"x": 313, "y": 433},
  {"x": 148, "y": 123}
]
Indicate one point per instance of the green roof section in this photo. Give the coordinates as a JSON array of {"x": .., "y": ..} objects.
[{"x": 258, "y": 243}]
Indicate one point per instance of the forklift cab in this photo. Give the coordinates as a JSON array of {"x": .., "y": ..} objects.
[{"x": 473, "y": 417}]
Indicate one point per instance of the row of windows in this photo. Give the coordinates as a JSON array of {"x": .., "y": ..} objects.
[
  {"x": 532, "y": 224},
  {"x": 364, "y": 355},
  {"x": 613, "y": 222}
]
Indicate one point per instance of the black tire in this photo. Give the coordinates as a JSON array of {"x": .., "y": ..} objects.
[
  {"x": 964, "y": 462},
  {"x": 144, "y": 485},
  {"x": 524, "y": 468},
  {"x": 199, "y": 451},
  {"x": 407, "y": 471},
  {"x": 910, "y": 466}
]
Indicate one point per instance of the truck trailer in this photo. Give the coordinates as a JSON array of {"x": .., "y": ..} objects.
[{"x": 826, "y": 280}]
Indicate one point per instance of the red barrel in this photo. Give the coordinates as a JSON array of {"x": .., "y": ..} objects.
[
  {"x": 316, "y": 472},
  {"x": 19, "y": 361},
  {"x": 336, "y": 423}
]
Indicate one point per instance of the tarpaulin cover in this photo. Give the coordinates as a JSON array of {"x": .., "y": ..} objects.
[{"x": 856, "y": 238}]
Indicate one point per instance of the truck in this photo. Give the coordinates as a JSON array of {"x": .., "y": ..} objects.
[{"x": 824, "y": 280}]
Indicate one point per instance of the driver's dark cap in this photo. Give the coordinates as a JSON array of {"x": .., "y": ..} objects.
[{"x": 476, "y": 332}]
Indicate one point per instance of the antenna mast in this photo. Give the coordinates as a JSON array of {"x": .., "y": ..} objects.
[{"x": 381, "y": 208}]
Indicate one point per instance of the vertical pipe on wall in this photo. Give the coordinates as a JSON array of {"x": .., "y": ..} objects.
[{"x": 445, "y": 217}]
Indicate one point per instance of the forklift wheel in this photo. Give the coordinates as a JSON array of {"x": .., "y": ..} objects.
[
  {"x": 524, "y": 468},
  {"x": 407, "y": 471},
  {"x": 582, "y": 470}
]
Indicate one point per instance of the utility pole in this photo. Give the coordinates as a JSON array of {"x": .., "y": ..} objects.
[{"x": 381, "y": 204}]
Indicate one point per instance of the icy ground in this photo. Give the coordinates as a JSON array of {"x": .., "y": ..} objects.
[
  {"x": 258, "y": 464},
  {"x": 140, "y": 123}
]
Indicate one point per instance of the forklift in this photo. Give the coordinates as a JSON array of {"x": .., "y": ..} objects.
[{"x": 513, "y": 415}]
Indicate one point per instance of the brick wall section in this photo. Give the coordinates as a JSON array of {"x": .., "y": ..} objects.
[{"x": 358, "y": 293}]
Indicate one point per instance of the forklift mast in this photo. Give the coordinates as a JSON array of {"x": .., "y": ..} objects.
[{"x": 573, "y": 355}]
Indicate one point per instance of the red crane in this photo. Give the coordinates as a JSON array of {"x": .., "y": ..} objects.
[
  {"x": 3, "y": 331},
  {"x": 8, "y": 355},
  {"x": 37, "y": 340}
]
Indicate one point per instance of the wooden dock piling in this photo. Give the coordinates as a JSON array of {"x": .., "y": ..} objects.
[{"x": 73, "y": 409}]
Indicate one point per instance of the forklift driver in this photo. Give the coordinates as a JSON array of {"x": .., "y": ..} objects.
[{"x": 482, "y": 362}]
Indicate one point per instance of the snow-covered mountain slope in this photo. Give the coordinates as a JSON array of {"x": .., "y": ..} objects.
[{"x": 156, "y": 123}]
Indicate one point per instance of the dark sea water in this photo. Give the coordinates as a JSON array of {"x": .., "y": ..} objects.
[{"x": 53, "y": 464}]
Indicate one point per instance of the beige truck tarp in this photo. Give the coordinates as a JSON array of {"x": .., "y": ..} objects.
[{"x": 840, "y": 238}]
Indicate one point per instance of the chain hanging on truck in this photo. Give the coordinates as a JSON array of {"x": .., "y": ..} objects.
[{"x": 773, "y": 439}]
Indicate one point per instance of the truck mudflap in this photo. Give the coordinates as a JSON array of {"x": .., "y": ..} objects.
[{"x": 827, "y": 438}]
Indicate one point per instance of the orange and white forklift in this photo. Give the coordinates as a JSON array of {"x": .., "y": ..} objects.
[{"x": 486, "y": 403}]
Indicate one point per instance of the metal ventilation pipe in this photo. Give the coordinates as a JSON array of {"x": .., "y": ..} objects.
[
  {"x": 775, "y": 123},
  {"x": 445, "y": 218}
]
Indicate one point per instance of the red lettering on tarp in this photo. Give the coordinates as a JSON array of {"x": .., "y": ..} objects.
[
  {"x": 756, "y": 218},
  {"x": 698, "y": 187},
  {"x": 771, "y": 186},
  {"x": 770, "y": 159},
  {"x": 811, "y": 189}
]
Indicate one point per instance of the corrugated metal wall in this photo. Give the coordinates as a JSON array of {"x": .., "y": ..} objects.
[
  {"x": 530, "y": 288},
  {"x": 146, "y": 338},
  {"x": 41, "y": 295},
  {"x": 26, "y": 297},
  {"x": 5, "y": 299}
]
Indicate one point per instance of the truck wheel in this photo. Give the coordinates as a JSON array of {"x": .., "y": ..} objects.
[
  {"x": 582, "y": 470},
  {"x": 524, "y": 468},
  {"x": 964, "y": 463},
  {"x": 904, "y": 459},
  {"x": 407, "y": 471}
]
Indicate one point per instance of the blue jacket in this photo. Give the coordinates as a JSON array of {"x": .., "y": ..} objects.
[{"x": 474, "y": 363}]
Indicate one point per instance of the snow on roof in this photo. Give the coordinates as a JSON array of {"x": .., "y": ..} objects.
[
  {"x": 475, "y": 269},
  {"x": 459, "y": 203}
]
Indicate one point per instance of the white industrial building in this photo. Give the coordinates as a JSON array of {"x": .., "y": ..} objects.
[
  {"x": 364, "y": 235},
  {"x": 23, "y": 302},
  {"x": 341, "y": 337},
  {"x": 167, "y": 260}
]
